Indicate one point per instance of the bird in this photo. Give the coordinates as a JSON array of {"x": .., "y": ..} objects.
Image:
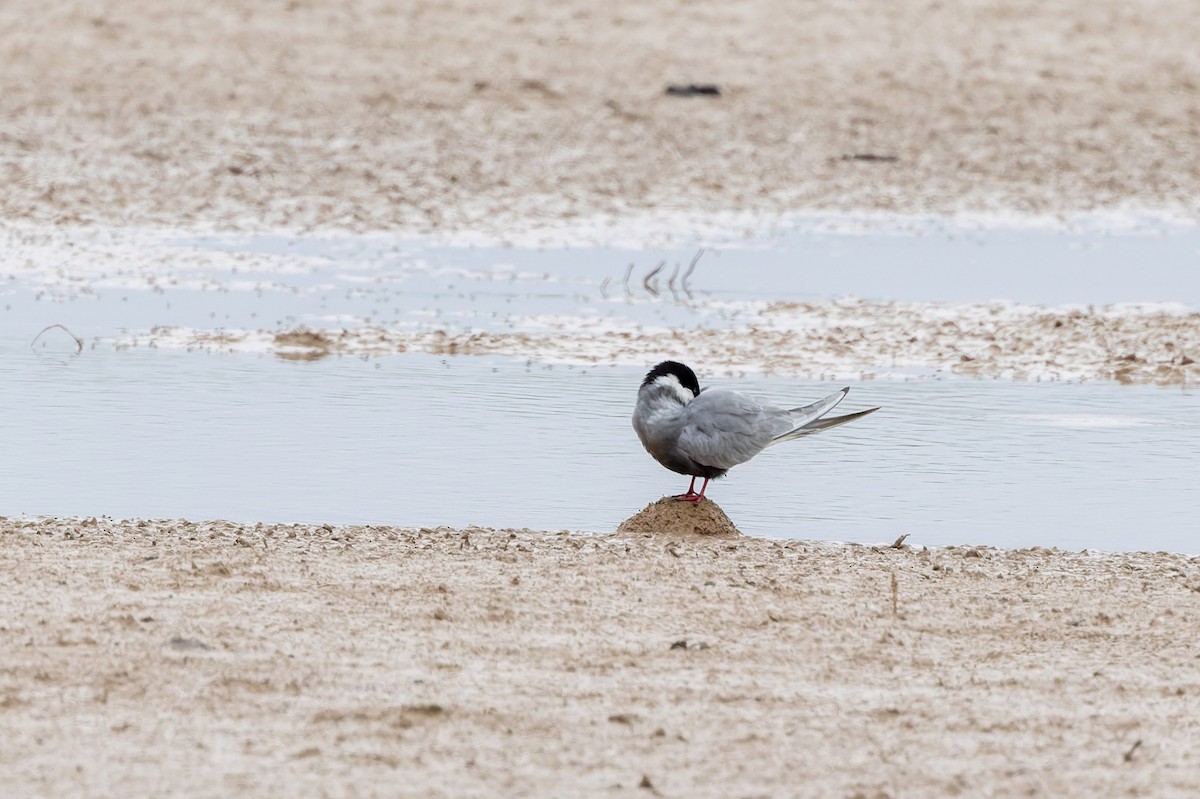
[{"x": 705, "y": 432}]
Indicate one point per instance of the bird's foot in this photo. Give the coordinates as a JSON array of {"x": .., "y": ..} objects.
[{"x": 691, "y": 495}]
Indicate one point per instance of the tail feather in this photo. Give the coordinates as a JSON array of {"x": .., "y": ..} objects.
[
  {"x": 818, "y": 424},
  {"x": 807, "y": 413}
]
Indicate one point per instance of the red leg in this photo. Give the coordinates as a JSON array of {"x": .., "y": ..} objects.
[
  {"x": 692, "y": 496},
  {"x": 691, "y": 492}
]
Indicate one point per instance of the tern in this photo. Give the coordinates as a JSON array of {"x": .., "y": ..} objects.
[{"x": 705, "y": 432}]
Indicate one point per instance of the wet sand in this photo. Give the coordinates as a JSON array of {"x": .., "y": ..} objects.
[
  {"x": 841, "y": 339},
  {"x": 210, "y": 659}
]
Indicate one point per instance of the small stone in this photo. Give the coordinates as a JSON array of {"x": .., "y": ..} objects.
[{"x": 184, "y": 644}]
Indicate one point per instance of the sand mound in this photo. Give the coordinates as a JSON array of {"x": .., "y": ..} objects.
[{"x": 687, "y": 518}]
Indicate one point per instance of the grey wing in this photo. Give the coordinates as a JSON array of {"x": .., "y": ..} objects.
[{"x": 722, "y": 428}]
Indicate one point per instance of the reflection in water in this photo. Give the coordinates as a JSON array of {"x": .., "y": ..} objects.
[
  {"x": 414, "y": 440},
  {"x": 56, "y": 344}
]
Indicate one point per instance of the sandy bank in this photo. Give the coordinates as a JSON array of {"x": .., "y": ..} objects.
[
  {"x": 485, "y": 115},
  {"x": 215, "y": 658},
  {"x": 836, "y": 339}
]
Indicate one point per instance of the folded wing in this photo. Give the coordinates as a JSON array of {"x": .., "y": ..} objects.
[{"x": 722, "y": 428}]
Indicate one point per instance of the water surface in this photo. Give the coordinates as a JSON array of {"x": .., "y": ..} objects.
[
  {"x": 413, "y": 440},
  {"x": 399, "y": 283}
]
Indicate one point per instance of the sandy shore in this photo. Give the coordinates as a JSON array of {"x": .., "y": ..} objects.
[
  {"x": 485, "y": 116},
  {"x": 210, "y": 659}
]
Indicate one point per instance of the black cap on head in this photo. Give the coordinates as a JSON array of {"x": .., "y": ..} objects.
[{"x": 685, "y": 376}]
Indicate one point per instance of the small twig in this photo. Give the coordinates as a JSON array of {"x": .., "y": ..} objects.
[
  {"x": 604, "y": 287},
  {"x": 628, "y": 273},
  {"x": 691, "y": 268},
  {"x": 671, "y": 285},
  {"x": 78, "y": 340},
  {"x": 650, "y": 275},
  {"x": 872, "y": 158},
  {"x": 646, "y": 281},
  {"x": 1132, "y": 749},
  {"x": 899, "y": 542}
]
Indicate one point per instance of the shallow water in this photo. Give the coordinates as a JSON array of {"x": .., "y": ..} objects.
[
  {"x": 335, "y": 282},
  {"x": 920, "y": 260},
  {"x": 413, "y": 440}
]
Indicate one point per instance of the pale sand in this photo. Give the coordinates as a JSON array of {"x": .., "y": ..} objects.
[
  {"x": 489, "y": 115},
  {"x": 224, "y": 660}
]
